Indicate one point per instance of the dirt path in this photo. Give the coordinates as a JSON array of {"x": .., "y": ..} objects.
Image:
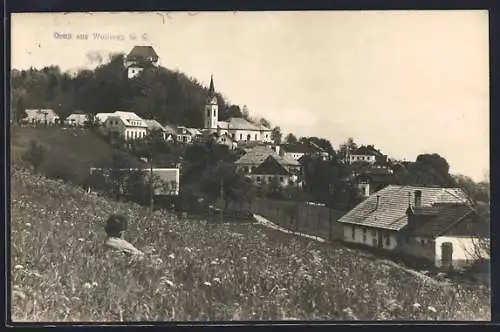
[{"x": 269, "y": 224}]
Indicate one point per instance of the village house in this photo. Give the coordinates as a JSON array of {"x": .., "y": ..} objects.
[
  {"x": 187, "y": 135},
  {"x": 153, "y": 125},
  {"x": 139, "y": 58},
  {"x": 255, "y": 156},
  {"x": 126, "y": 124},
  {"x": 270, "y": 170},
  {"x": 76, "y": 119},
  {"x": 394, "y": 219},
  {"x": 296, "y": 150},
  {"x": 41, "y": 116},
  {"x": 373, "y": 179},
  {"x": 367, "y": 154},
  {"x": 239, "y": 129}
]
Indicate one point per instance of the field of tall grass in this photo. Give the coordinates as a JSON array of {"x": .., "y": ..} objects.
[{"x": 195, "y": 271}]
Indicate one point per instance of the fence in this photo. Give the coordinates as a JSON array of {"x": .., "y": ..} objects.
[{"x": 305, "y": 218}]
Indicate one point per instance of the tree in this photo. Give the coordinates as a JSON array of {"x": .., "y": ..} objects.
[
  {"x": 291, "y": 139},
  {"x": 35, "y": 155},
  {"x": 20, "y": 111},
  {"x": 345, "y": 149},
  {"x": 276, "y": 135},
  {"x": 265, "y": 122}
]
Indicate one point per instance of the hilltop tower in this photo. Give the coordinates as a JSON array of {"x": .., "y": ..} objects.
[{"x": 211, "y": 115}]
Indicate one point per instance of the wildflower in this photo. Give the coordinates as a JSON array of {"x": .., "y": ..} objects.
[
  {"x": 172, "y": 256},
  {"x": 18, "y": 267},
  {"x": 28, "y": 224},
  {"x": 95, "y": 284},
  {"x": 75, "y": 298},
  {"x": 206, "y": 283},
  {"x": 188, "y": 249},
  {"x": 158, "y": 261},
  {"x": 244, "y": 259},
  {"x": 87, "y": 285},
  {"x": 217, "y": 280},
  {"x": 431, "y": 308},
  {"x": 416, "y": 305},
  {"x": 81, "y": 239},
  {"x": 214, "y": 262}
]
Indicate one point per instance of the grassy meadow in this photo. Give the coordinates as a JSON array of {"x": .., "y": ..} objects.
[{"x": 194, "y": 271}]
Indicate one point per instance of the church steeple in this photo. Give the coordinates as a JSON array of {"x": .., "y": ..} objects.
[{"x": 211, "y": 90}]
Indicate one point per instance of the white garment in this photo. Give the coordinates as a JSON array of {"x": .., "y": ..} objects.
[{"x": 122, "y": 245}]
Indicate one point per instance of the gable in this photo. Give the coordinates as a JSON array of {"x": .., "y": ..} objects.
[
  {"x": 270, "y": 166},
  {"x": 393, "y": 204}
]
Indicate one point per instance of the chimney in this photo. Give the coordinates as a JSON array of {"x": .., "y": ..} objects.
[
  {"x": 378, "y": 202},
  {"x": 418, "y": 198}
]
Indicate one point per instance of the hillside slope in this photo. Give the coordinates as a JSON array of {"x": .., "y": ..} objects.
[
  {"x": 197, "y": 271},
  {"x": 71, "y": 151}
]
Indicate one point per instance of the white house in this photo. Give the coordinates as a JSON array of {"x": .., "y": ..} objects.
[
  {"x": 270, "y": 170},
  {"x": 127, "y": 124},
  {"x": 367, "y": 154},
  {"x": 415, "y": 221},
  {"x": 76, "y": 119},
  {"x": 40, "y": 116},
  {"x": 187, "y": 135}
]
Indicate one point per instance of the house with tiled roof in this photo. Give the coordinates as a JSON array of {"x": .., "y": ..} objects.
[
  {"x": 187, "y": 135},
  {"x": 128, "y": 125},
  {"x": 373, "y": 179},
  {"x": 367, "y": 154},
  {"x": 296, "y": 150},
  {"x": 76, "y": 119},
  {"x": 255, "y": 156},
  {"x": 396, "y": 218},
  {"x": 140, "y": 57},
  {"x": 153, "y": 125},
  {"x": 270, "y": 170}
]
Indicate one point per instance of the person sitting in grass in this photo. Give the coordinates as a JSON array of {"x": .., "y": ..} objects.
[{"x": 116, "y": 225}]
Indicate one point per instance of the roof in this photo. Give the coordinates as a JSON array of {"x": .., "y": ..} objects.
[
  {"x": 223, "y": 124},
  {"x": 103, "y": 116},
  {"x": 270, "y": 166},
  {"x": 142, "y": 52},
  {"x": 77, "y": 116},
  {"x": 368, "y": 150},
  {"x": 442, "y": 218},
  {"x": 297, "y": 148},
  {"x": 153, "y": 124},
  {"x": 393, "y": 204},
  {"x": 40, "y": 112},
  {"x": 128, "y": 117},
  {"x": 242, "y": 124},
  {"x": 258, "y": 154},
  {"x": 211, "y": 89}
]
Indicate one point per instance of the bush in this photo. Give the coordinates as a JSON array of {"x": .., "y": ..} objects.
[{"x": 35, "y": 155}]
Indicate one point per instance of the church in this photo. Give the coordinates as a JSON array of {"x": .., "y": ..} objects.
[{"x": 238, "y": 129}]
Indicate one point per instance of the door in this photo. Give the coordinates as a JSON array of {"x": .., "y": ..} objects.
[
  {"x": 380, "y": 241},
  {"x": 446, "y": 254}
]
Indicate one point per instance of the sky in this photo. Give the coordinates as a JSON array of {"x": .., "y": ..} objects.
[{"x": 409, "y": 82}]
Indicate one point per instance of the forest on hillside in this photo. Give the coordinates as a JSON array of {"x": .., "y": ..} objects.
[{"x": 157, "y": 93}]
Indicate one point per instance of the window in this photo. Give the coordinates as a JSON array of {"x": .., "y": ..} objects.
[
  {"x": 258, "y": 179},
  {"x": 270, "y": 179},
  {"x": 246, "y": 169},
  {"x": 234, "y": 136},
  {"x": 208, "y": 113},
  {"x": 241, "y": 136},
  {"x": 282, "y": 179},
  {"x": 255, "y": 136},
  {"x": 364, "y": 238},
  {"x": 214, "y": 112},
  {"x": 353, "y": 232},
  {"x": 422, "y": 242},
  {"x": 374, "y": 242},
  {"x": 388, "y": 240},
  {"x": 248, "y": 137},
  {"x": 267, "y": 135}
]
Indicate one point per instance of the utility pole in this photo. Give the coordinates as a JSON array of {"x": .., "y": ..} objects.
[
  {"x": 151, "y": 190},
  {"x": 222, "y": 200},
  {"x": 330, "y": 231}
]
